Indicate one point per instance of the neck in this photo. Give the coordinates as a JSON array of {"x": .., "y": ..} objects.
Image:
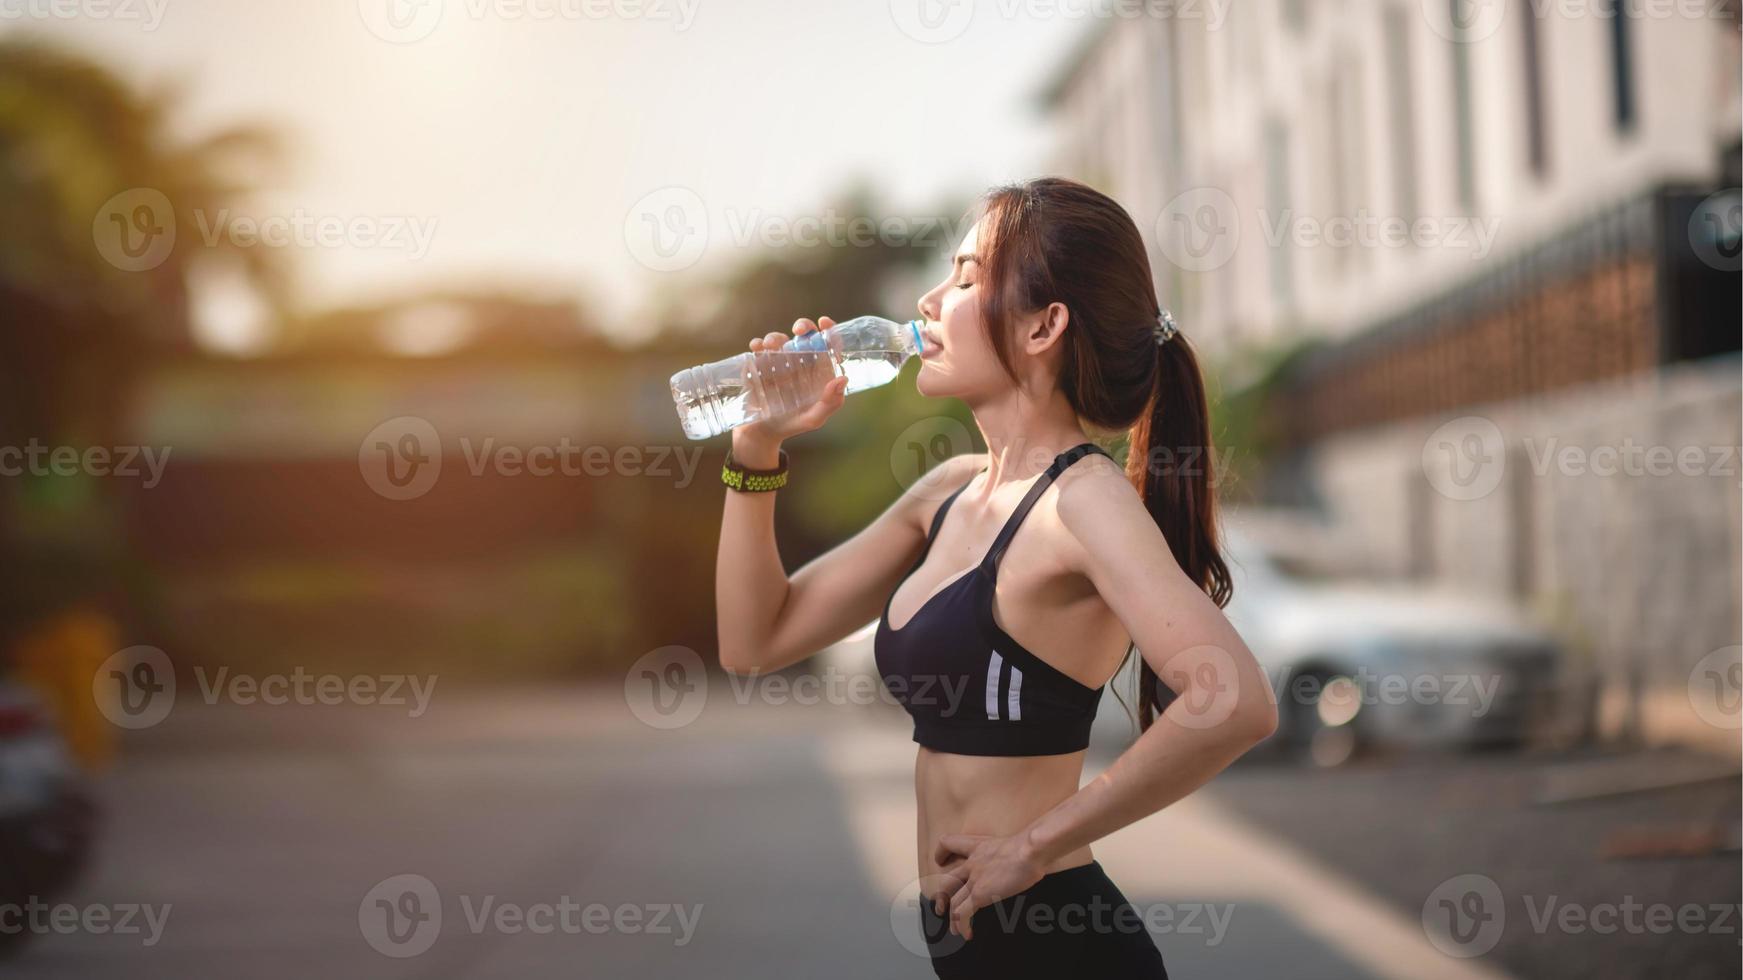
[{"x": 1024, "y": 433}]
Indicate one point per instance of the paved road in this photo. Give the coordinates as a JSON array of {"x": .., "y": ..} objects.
[{"x": 757, "y": 841}]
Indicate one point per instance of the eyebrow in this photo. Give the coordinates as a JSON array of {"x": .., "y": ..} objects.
[{"x": 960, "y": 259}]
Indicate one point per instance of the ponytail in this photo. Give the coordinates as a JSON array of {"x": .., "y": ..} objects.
[
  {"x": 1055, "y": 240},
  {"x": 1170, "y": 461}
]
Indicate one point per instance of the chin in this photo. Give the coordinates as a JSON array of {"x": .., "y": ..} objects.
[{"x": 928, "y": 383}]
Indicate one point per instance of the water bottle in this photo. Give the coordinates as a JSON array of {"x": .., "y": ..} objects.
[{"x": 766, "y": 384}]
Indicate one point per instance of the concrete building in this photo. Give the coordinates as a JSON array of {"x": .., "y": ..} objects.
[
  {"x": 1493, "y": 234},
  {"x": 1251, "y": 140}
]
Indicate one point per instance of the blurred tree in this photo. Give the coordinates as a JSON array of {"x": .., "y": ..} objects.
[
  {"x": 81, "y": 319},
  {"x": 78, "y": 149}
]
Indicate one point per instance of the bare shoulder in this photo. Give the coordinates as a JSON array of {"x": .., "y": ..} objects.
[
  {"x": 1092, "y": 484},
  {"x": 1098, "y": 507},
  {"x": 921, "y": 498}
]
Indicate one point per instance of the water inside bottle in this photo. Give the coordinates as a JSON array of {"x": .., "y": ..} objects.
[{"x": 780, "y": 382}]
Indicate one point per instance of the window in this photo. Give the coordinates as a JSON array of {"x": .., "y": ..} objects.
[
  {"x": 1295, "y": 16},
  {"x": 1535, "y": 148},
  {"x": 1277, "y": 199},
  {"x": 1400, "y": 98},
  {"x": 1463, "y": 131},
  {"x": 1620, "y": 57}
]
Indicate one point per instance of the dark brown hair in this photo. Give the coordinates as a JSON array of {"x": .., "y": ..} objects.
[{"x": 1054, "y": 240}]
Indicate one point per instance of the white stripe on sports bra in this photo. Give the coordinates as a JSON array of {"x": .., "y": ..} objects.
[{"x": 995, "y": 665}]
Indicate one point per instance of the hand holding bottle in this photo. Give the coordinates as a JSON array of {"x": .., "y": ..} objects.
[
  {"x": 779, "y": 377},
  {"x": 755, "y": 443}
]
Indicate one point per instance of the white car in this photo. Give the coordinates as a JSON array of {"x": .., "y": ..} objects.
[{"x": 1356, "y": 664}]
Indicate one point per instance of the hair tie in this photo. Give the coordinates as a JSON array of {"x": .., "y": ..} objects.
[{"x": 1165, "y": 328}]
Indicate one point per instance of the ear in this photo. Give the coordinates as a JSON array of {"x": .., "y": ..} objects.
[{"x": 1046, "y": 331}]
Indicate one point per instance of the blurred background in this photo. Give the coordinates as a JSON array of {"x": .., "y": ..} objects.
[{"x": 357, "y": 612}]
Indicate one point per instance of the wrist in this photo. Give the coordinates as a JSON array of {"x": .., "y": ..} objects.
[
  {"x": 758, "y": 454},
  {"x": 1037, "y": 845}
]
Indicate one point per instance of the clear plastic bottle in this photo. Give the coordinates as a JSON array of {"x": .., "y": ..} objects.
[{"x": 756, "y": 385}]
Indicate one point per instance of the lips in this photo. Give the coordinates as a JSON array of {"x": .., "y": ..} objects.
[{"x": 930, "y": 346}]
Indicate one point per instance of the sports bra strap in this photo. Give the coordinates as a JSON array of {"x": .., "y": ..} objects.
[{"x": 1006, "y": 533}]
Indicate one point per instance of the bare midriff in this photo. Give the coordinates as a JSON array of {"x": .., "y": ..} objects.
[{"x": 992, "y": 795}]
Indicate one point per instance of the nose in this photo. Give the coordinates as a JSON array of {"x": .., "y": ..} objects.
[{"x": 928, "y": 305}]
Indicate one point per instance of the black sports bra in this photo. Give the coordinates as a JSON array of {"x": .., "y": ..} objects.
[{"x": 970, "y": 687}]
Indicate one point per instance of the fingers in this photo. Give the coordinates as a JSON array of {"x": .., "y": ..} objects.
[
  {"x": 801, "y": 326},
  {"x": 950, "y": 846},
  {"x": 954, "y": 879},
  {"x": 962, "y": 913}
]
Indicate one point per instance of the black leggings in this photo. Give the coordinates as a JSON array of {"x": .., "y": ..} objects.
[{"x": 1070, "y": 923}]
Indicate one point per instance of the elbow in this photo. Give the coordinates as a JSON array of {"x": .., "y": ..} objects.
[
  {"x": 1258, "y": 722},
  {"x": 737, "y": 662}
]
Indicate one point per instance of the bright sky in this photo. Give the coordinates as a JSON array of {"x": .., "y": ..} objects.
[{"x": 504, "y": 147}]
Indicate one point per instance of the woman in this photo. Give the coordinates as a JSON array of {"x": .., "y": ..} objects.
[{"x": 1008, "y": 605}]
